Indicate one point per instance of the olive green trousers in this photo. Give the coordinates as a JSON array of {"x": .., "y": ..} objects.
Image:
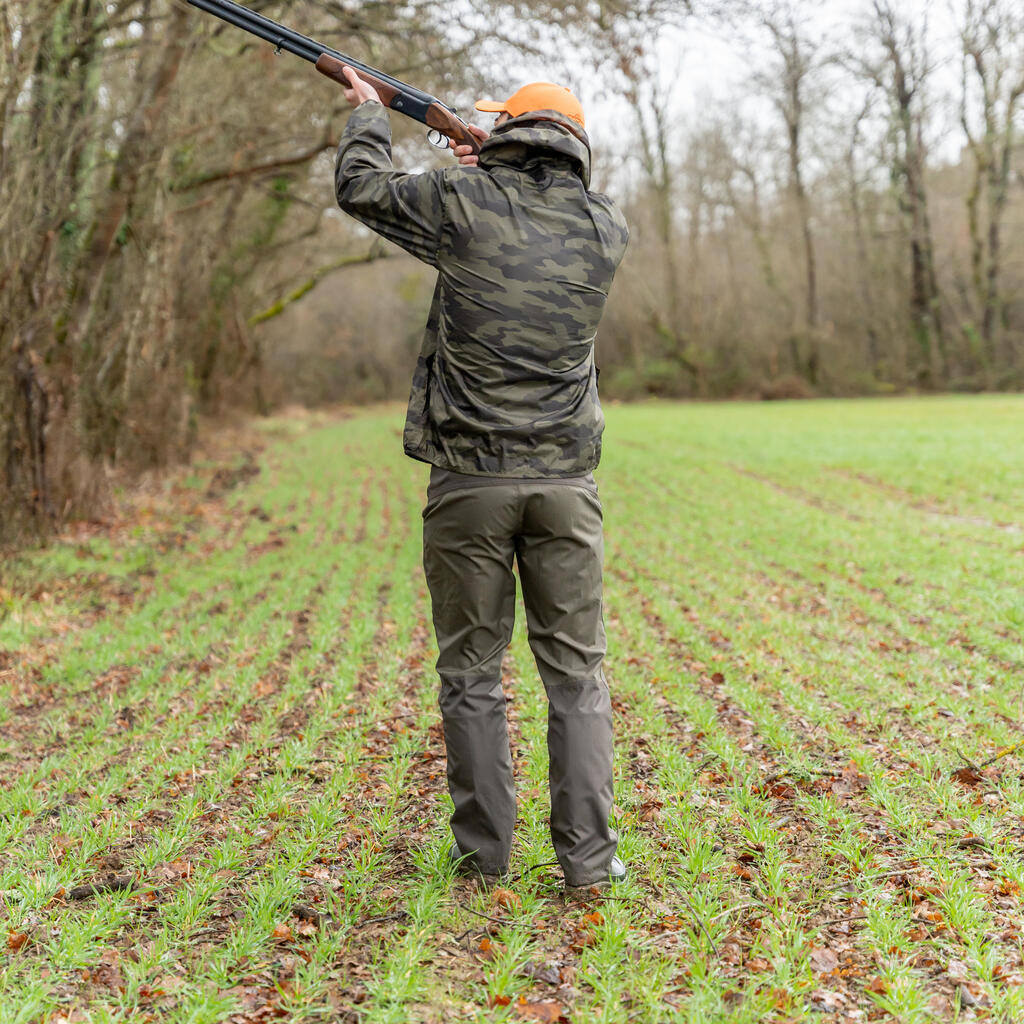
[{"x": 553, "y": 532}]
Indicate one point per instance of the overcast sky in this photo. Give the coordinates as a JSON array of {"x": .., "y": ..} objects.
[{"x": 705, "y": 70}]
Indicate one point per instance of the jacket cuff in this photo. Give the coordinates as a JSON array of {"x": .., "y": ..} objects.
[{"x": 366, "y": 113}]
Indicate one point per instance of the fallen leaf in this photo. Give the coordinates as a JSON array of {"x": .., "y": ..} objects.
[
  {"x": 731, "y": 953},
  {"x": 15, "y": 940},
  {"x": 972, "y": 994},
  {"x": 540, "y": 972},
  {"x": 957, "y": 970},
  {"x": 488, "y": 950},
  {"x": 507, "y": 899},
  {"x": 167, "y": 983},
  {"x": 823, "y": 960},
  {"x": 283, "y": 933},
  {"x": 546, "y": 1010},
  {"x": 827, "y": 999}
]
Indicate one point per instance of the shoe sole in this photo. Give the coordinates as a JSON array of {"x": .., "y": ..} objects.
[{"x": 597, "y": 887}]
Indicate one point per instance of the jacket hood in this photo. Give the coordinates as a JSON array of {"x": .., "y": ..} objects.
[{"x": 536, "y": 138}]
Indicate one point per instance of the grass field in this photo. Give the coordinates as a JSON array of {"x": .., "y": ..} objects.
[{"x": 223, "y": 786}]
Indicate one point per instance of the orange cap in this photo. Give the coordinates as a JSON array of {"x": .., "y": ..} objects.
[{"x": 537, "y": 96}]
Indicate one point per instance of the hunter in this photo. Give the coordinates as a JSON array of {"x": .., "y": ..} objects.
[{"x": 504, "y": 407}]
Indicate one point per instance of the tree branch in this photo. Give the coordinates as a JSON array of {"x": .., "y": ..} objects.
[
  {"x": 228, "y": 173},
  {"x": 375, "y": 253}
]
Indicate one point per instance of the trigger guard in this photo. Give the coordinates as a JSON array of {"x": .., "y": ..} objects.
[{"x": 435, "y": 138}]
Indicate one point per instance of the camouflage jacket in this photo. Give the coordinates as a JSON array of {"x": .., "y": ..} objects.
[{"x": 505, "y": 383}]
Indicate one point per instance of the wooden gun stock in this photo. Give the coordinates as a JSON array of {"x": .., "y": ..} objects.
[{"x": 434, "y": 115}]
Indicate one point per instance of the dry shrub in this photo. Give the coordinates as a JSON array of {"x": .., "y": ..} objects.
[{"x": 788, "y": 386}]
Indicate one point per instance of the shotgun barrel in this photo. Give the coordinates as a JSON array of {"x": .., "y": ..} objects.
[{"x": 394, "y": 93}]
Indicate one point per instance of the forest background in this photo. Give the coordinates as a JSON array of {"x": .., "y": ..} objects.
[{"x": 843, "y": 218}]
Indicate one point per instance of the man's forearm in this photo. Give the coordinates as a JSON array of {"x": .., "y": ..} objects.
[
  {"x": 407, "y": 209},
  {"x": 365, "y": 147}
]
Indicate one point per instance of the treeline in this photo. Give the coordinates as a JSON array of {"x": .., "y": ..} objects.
[
  {"x": 847, "y": 223},
  {"x": 165, "y": 185}
]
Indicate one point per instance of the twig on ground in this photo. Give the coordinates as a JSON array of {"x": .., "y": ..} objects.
[
  {"x": 700, "y": 924},
  {"x": 304, "y": 913},
  {"x": 535, "y": 867},
  {"x": 966, "y": 760},
  {"x": 733, "y": 910},
  {"x": 115, "y": 883},
  {"x": 972, "y": 842},
  {"x": 843, "y": 920},
  {"x": 470, "y": 910},
  {"x": 396, "y": 915},
  {"x": 1005, "y": 752}
]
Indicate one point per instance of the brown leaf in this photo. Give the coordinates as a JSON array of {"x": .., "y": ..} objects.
[
  {"x": 669, "y": 923},
  {"x": 968, "y": 775},
  {"x": 540, "y": 972},
  {"x": 499, "y": 1000},
  {"x": 827, "y": 999},
  {"x": 507, "y": 899},
  {"x": 957, "y": 970},
  {"x": 731, "y": 953},
  {"x": 595, "y": 918},
  {"x": 546, "y": 1010},
  {"x": 972, "y": 994},
  {"x": 488, "y": 950},
  {"x": 650, "y": 810},
  {"x": 167, "y": 983},
  {"x": 182, "y": 867},
  {"x": 823, "y": 960},
  {"x": 15, "y": 940},
  {"x": 283, "y": 932}
]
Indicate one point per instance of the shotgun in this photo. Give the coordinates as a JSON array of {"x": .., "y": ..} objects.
[{"x": 394, "y": 93}]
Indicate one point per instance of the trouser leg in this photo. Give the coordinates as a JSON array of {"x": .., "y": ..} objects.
[
  {"x": 467, "y": 556},
  {"x": 560, "y": 551}
]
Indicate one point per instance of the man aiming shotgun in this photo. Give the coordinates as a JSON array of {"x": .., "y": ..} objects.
[{"x": 505, "y": 409}]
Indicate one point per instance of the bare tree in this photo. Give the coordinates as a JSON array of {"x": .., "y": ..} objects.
[
  {"x": 992, "y": 40},
  {"x": 792, "y": 83},
  {"x": 900, "y": 69},
  {"x": 654, "y": 132},
  {"x": 865, "y": 282}
]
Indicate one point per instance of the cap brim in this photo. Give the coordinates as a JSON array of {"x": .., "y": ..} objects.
[{"x": 490, "y": 106}]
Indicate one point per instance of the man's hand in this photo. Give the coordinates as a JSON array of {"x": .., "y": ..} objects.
[
  {"x": 360, "y": 91},
  {"x": 465, "y": 154}
]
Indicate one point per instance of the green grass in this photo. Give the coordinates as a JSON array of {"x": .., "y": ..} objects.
[{"x": 815, "y": 615}]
